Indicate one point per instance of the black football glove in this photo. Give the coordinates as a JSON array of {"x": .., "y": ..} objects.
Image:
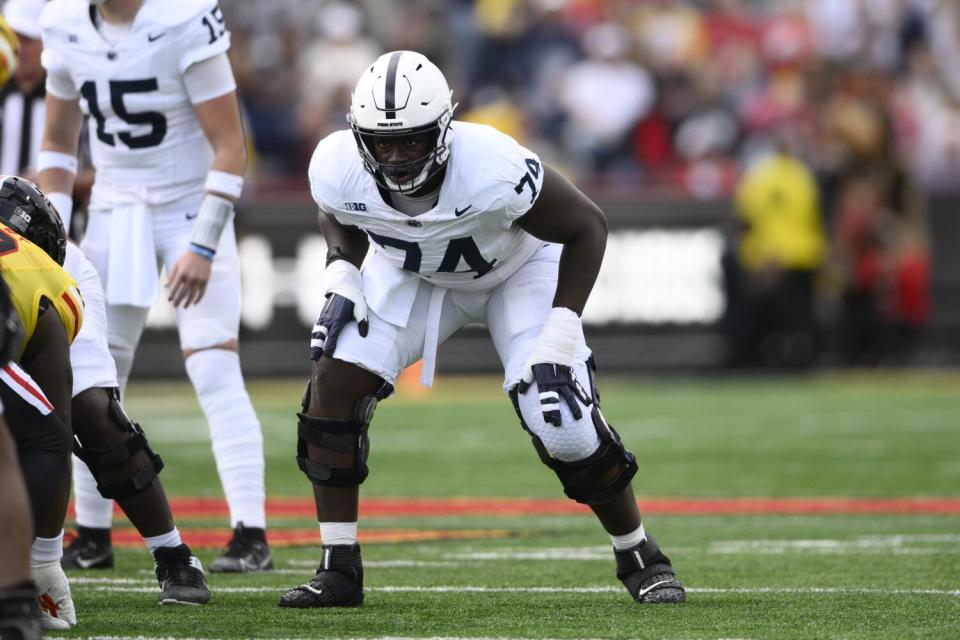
[
  {"x": 336, "y": 313},
  {"x": 556, "y": 382}
]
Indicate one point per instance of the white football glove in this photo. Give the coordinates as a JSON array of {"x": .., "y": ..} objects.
[
  {"x": 53, "y": 595},
  {"x": 551, "y": 365},
  {"x": 345, "y": 301}
]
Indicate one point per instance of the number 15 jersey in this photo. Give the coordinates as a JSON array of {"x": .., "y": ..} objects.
[{"x": 143, "y": 131}]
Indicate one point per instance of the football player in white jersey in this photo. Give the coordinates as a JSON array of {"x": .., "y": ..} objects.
[
  {"x": 168, "y": 147},
  {"x": 466, "y": 226},
  {"x": 116, "y": 454}
]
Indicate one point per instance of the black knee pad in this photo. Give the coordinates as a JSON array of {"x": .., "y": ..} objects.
[
  {"x": 108, "y": 466},
  {"x": 342, "y": 436},
  {"x": 601, "y": 476}
]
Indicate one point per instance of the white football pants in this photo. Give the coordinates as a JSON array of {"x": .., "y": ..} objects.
[
  {"x": 514, "y": 313},
  {"x": 215, "y": 373}
]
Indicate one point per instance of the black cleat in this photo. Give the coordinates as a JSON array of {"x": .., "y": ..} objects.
[
  {"x": 91, "y": 549},
  {"x": 19, "y": 613},
  {"x": 648, "y": 575},
  {"x": 246, "y": 551},
  {"x": 181, "y": 576},
  {"x": 338, "y": 582}
]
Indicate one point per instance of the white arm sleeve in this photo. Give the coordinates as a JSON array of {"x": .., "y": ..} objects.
[
  {"x": 208, "y": 79},
  {"x": 60, "y": 84}
]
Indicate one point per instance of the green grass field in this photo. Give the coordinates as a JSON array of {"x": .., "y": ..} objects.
[{"x": 845, "y": 575}]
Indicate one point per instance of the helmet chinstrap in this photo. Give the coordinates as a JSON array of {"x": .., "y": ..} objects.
[{"x": 420, "y": 169}]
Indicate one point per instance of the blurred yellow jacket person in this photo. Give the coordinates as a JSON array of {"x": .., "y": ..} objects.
[
  {"x": 9, "y": 50},
  {"x": 779, "y": 200},
  {"x": 35, "y": 280}
]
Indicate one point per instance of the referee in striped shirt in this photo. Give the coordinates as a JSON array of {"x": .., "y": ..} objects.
[
  {"x": 23, "y": 110},
  {"x": 22, "y": 107}
]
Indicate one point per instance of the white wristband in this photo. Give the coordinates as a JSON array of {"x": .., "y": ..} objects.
[
  {"x": 63, "y": 203},
  {"x": 57, "y": 160},
  {"x": 344, "y": 278},
  {"x": 558, "y": 338},
  {"x": 225, "y": 183},
  {"x": 214, "y": 214}
]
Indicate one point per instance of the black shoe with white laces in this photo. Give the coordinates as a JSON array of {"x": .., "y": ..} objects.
[
  {"x": 338, "y": 582},
  {"x": 648, "y": 575},
  {"x": 181, "y": 576},
  {"x": 246, "y": 551},
  {"x": 91, "y": 549}
]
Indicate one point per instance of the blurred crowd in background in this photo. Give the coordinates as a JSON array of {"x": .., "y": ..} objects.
[
  {"x": 827, "y": 120},
  {"x": 632, "y": 91},
  {"x": 827, "y": 124}
]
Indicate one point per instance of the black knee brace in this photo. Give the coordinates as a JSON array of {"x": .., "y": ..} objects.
[
  {"x": 601, "y": 476},
  {"x": 342, "y": 436},
  {"x": 105, "y": 464}
]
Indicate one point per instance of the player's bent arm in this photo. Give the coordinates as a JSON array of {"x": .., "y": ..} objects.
[
  {"x": 346, "y": 248},
  {"x": 563, "y": 214},
  {"x": 219, "y": 118},
  {"x": 343, "y": 242},
  {"x": 47, "y": 360},
  {"x": 57, "y": 161}
]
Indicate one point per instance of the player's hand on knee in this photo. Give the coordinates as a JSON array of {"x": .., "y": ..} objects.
[
  {"x": 345, "y": 303},
  {"x": 336, "y": 313},
  {"x": 550, "y": 365},
  {"x": 556, "y": 383},
  {"x": 188, "y": 279}
]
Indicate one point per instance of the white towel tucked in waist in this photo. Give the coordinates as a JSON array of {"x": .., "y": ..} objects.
[
  {"x": 133, "y": 276},
  {"x": 432, "y": 336}
]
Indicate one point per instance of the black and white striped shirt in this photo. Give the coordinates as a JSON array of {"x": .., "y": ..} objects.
[{"x": 21, "y": 128}]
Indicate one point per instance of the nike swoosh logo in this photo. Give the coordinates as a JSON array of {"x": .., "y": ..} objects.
[
  {"x": 459, "y": 212},
  {"x": 86, "y": 564},
  {"x": 151, "y": 37},
  {"x": 191, "y": 216},
  {"x": 643, "y": 592}
]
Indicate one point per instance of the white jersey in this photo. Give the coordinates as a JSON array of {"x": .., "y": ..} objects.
[
  {"x": 89, "y": 354},
  {"x": 143, "y": 131},
  {"x": 469, "y": 240}
]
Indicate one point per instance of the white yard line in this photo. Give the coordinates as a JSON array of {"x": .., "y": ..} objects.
[
  {"x": 904, "y": 544},
  {"x": 145, "y": 586},
  {"x": 384, "y": 563},
  {"x": 526, "y": 553}
]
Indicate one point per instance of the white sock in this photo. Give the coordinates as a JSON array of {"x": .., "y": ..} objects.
[
  {"x": 629, "y": 540},
  {"x": 234, "y": 432},
  {"x": 47, "y": 549},
  {"x": 169, "y": 539},
  {"x": 93, "y": 510},
  {"x": 338, "y": 532}
]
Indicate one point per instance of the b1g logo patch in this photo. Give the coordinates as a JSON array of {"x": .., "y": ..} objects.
[{"x": 355, "y": 206}]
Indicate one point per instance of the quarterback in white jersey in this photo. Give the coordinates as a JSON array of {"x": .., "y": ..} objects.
[
  {"x": 169, "y": 151},
  {"x": 465, "y": 226}
]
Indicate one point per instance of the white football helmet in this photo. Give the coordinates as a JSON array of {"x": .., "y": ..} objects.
[{"x": 400, "y": 94}]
